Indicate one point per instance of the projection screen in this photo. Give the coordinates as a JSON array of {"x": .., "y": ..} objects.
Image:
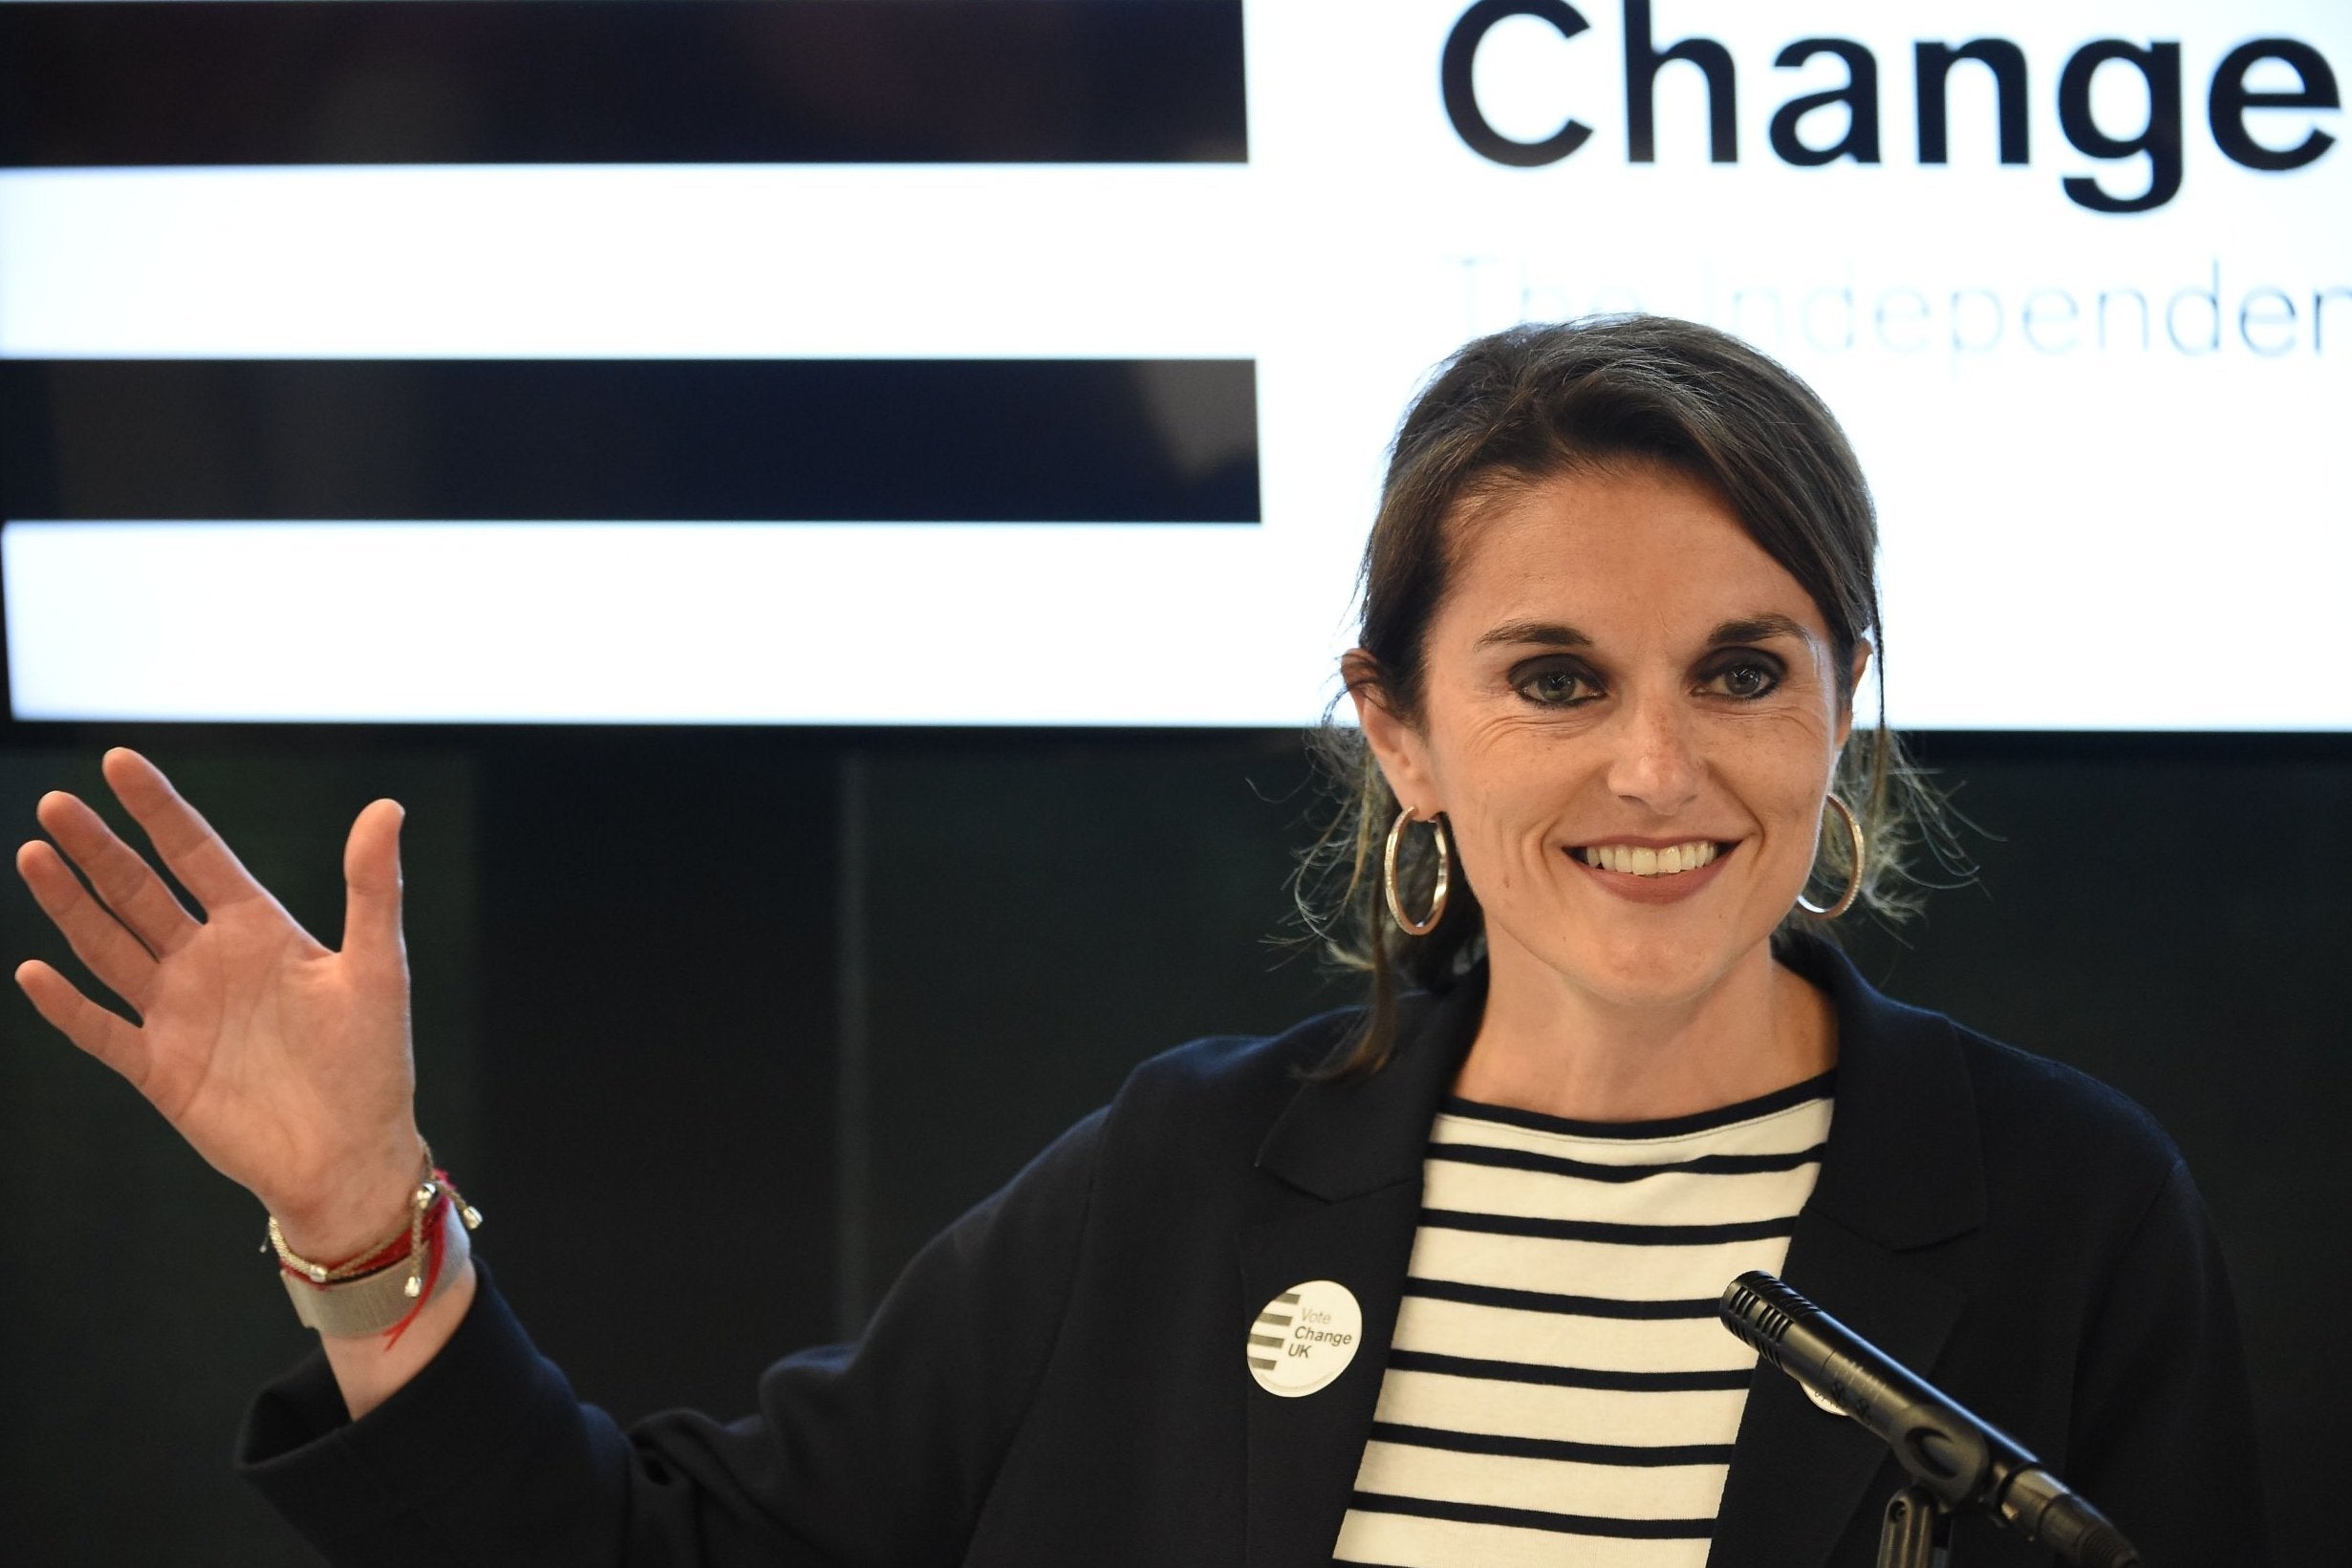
[{"x": 1032, "y": 361}]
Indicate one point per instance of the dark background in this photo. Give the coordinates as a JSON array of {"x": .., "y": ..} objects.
[{"x": 771, "y": 1006}]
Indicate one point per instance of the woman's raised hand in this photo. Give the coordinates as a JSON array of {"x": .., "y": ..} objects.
[{"x": 285, "y": 1063}]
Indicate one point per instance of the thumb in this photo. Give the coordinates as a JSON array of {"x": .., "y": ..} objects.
[{"x": 371, "y": 882}]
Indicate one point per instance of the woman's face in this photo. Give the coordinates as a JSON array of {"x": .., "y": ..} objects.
[{"x": 1630, "y": 718}]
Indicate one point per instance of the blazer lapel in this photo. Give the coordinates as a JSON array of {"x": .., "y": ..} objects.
[
  {"x": 1304, "y": 1450},
  {"x": 1902, "y": 1171},
  {"x": 1343, "y": 1197}
]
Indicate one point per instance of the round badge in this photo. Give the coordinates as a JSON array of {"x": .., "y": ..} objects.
[{"x": 1305, "y": 1337}]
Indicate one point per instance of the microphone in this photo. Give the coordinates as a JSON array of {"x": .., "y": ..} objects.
[{"x": 1964, "y": 1462}]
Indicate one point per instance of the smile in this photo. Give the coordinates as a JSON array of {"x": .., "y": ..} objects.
[{"x": 1639, "y": 860}]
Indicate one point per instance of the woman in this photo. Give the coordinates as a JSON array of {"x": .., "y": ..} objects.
[{"x": 1428, "y": 1283}]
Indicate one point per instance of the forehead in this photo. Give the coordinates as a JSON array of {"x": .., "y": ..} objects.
[{"x": 1612, "y": 550}]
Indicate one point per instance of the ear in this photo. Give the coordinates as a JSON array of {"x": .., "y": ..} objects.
[
  {"x": 1397, "y": 746},
  {"x": 1853, "y": 684}
]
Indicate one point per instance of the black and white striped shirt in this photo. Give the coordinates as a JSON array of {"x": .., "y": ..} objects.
[{"x": 1559, "y": 1389}]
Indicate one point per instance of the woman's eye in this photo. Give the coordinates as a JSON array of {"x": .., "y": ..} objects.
[
  {"x": 1747, "y": 679},
  {"x": 1555, "y": 685}
]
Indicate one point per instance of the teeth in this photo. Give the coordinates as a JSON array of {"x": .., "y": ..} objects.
[{"x": 1636, "y": 861}]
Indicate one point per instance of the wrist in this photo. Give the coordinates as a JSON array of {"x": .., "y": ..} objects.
[
  {"x": 381, "y": 1286},
  {"x": 366, "y": 1200}
]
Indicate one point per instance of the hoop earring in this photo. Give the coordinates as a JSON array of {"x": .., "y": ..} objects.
[
  {"x": 1853, "y": 883},
  {"x": 1388, "y": 881}
]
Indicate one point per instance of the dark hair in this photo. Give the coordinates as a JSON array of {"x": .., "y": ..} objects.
[{"x": 1528, "y": 404}]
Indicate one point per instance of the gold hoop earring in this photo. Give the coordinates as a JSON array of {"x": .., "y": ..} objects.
[
  {"x": 1388, "y": 881},
  {"x": 1853, "y": 881}
]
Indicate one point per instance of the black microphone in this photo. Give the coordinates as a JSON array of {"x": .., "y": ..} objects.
[{"x": 1965, "y": 1462}]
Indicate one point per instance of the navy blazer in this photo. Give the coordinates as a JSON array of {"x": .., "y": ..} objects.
[{"x": 1059, "y": 1378}]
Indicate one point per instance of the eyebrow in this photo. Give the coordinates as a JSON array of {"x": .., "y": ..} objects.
[
  {"x": 1543, "y": 633},
  {"x": 1761, "y": 628},
  {"x": 1758, "y": 628}
]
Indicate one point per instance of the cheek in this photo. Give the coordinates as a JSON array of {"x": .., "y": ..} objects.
[
  {"x": 1788, "y": 799},
  {"x": 1506, "y": 785},
  {"x": 1780, "y": 760}
]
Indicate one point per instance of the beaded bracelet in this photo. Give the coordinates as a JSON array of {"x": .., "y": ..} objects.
[{"x": 370, "y": 1292}]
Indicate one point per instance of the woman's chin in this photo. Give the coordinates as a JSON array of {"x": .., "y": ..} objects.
[{"x": 1646, "y": 970}]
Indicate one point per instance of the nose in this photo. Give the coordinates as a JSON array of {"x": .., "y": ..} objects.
[{"x": 1655, "y": 760}]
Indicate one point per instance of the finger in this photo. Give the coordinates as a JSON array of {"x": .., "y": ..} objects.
[
  {"x": 372, "y": 882},
  {"x": 119, "y": 874},
  {"x": 118, "y": 958},
  {"x": 186, "y": 842},
  {"x": 84, "y": 1023}
]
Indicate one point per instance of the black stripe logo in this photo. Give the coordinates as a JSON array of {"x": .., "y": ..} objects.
[
  {"x": 608, "y": 82},
  {"x": 1305, "y": 1337},
  {"x": 879, "y": 441}
]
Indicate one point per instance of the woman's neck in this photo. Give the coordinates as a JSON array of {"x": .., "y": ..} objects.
[{"x": 1547, "y": 1044}]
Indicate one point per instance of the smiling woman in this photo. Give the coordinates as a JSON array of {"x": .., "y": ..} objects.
[
  {"x": 1429, "y": 1284},
  {"x": 1632, "y": 522}
]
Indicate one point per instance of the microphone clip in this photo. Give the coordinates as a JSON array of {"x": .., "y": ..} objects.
[{"x": 1916, "y": 1532}]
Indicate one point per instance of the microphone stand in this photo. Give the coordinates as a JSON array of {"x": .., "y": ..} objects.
[{"x": 1916, "y": 1532}]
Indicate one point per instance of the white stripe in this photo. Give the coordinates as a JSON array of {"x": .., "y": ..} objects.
[
  {"x": 1785, "y": 1131},
  {"x": 1671, "y": 1199},
  {"x": 1553, "y": 1338},
  {"x": 1550, "y": 1486},
  {"x": 627, "y": 622},
  {"x": 682, "y": 261},
  {"x": 1568, "y": 1415},
  {"x": 1591, "y": 1268},
  {"x": 1407, "y": 1542}
]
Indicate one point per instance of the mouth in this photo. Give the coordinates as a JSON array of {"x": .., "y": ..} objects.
[{"x": 1649, "y": 860}]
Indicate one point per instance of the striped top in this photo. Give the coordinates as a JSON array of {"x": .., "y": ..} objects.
[{"x": 1559, "y": 1389}]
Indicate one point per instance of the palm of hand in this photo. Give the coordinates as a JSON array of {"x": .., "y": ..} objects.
[
  {"x": 285, "y": 1063},
  {"x": 262, "y": 1045}
]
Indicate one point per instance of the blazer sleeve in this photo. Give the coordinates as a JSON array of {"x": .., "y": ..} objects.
[
  {"x": 2165, "y": 1421},
  {"x": 877, "y": 1453}
]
